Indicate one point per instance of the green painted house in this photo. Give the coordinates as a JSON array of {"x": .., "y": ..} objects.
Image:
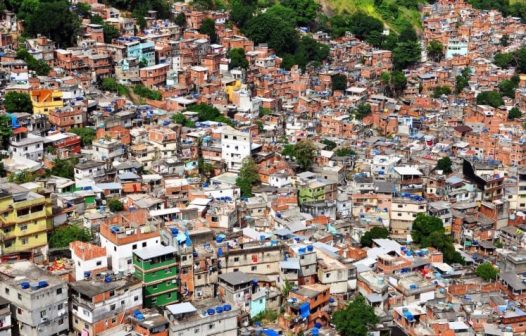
[{"x": 156, "y": 267}]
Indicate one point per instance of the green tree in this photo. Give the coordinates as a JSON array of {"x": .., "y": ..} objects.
[
  {"x": 361, "y": 111},
  {"x": 288, "y": 150},
  {"x": 344, "y": 151},
  {"x": 110, "y": 32},
  {"x": 180, "y": 20},
  {"x": 356, "y": 319},
  {"x": 287, "y": 287},
  {"x": 329, "y": 145},
  {"x": 63, "y": 235},
  {"x": 86, "y": 134},
  {"x": 115, "y": 205},
  {"x": 408, "y": 34},
  {"x": 445, "y": 164},
  {"x": 439, "y": 91},
  {"x": 435, "y": 50},
  {"x": 18, "y": 102},
  {"x": 394, "y": 82},
  {"x": 208, "y": 27},
  {"x": 491, "y": 98},
  {"x": 503, "y": 60},
  {"x": 39, "y": 66},
  {"x": 6, "y": 130},
  {"x": 83, "y": 9},
  {"x": 242, "y": 11},
  {"x": 279, "y": 34},
  {"x": 514, "y": 113},
  {"x": 305, "y": 11},
  {"x": 508, "y": 86},
  {"x": 461, "y": 82},
  {"x": 505, "y": 40},
  {"x": 54, "y": 20},
  {"x": 64, "y": 168},
  {"x": 406, "y": 54},
  {"x": 339, "y": 82},
  {"x": 423, "y": 226},
  {"x": 309, "y": 51},
  {"x": 375, "y": 233},
  {"x": 248, "y": 176},
  {"x": 487, "y": 271},
  {"x": 237, "y": 58},
  {"x": 304, "y": 152}
]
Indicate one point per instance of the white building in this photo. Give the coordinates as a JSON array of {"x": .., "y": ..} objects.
[
  {"x": 107, "y": 149},
  {"x": 235, "y": 146},
  {"x": 40, "y": 300},
  {"x": 89, "y": 260},
  {"x": 103, "y": 303},
  {"x": 382, "y": 165},
  {"x": 27, "y": 145},
  {"x": 204, "y": 320},
  {"x": 120, "y": 240},
  {"x": 91, "y": 170}
]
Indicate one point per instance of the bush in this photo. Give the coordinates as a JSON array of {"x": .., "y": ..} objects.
[
  {"x": 115, "y": 205},
  {"x": 144, "y": 92},
  {"x": 63, "y": 235}
]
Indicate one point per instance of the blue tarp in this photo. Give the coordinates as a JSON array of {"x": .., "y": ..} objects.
[
  {"x": 270, "y": 332},
  {"x": 305, "y": 310}
]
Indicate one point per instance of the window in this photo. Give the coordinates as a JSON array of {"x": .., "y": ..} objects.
[
  {"x": 43, "y": 313},
  {"x": 129, "y": 261},
  {"x": 211, "y": 326},
  {"x": 112, "y": 307},
  {"x": 23, "y": 227},
  {"x": 7, "y": 291},
  {"x": 99, "y": 263},
  {"x": 60, "y": 306},
  {"x": 134, "y": 246},
  {"x": 144, "y": 244},
  {"x": 253, "y": 268},
  {"x": 59, "y": 291},
  {"x": 135, "y": 298}
]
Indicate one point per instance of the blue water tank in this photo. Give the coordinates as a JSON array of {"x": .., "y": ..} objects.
[
  {"x": 107, "y": 279},
  {"x": 315, "y": 332},
  {"x": 310, "y": 248},
  {"x": 210, "y": 311},
  {"x": 42, "y": 284},
  {"x": 331, "y": 300},
  {"x": 175, "y": 231},
  {"x": 301, "y": 250},
  {"x": 317, "y": 325},
  {"x": 25, "y": 285},
  {"x": 219, "y": 309},
  {"x": 227, "y": 307}
]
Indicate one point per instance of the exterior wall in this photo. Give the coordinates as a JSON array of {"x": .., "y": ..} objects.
[
  {"x": 235, "y": 147},
  {"x": 43, "y": 312},
  {"x": 224, "y": 324},
  {"x": 121, "y": 255},
  {"x": 105, "y": 311},
  {"x": 45, "y": 101},
  {"x": 25, "y": 224},
  {"x": 160, "y": 280}
]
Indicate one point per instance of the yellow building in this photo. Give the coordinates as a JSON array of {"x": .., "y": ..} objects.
[
  {"x": 25, "y": 219},
  {"x": 46, "y": 101},
  {"x": 232, "y": 87}
]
